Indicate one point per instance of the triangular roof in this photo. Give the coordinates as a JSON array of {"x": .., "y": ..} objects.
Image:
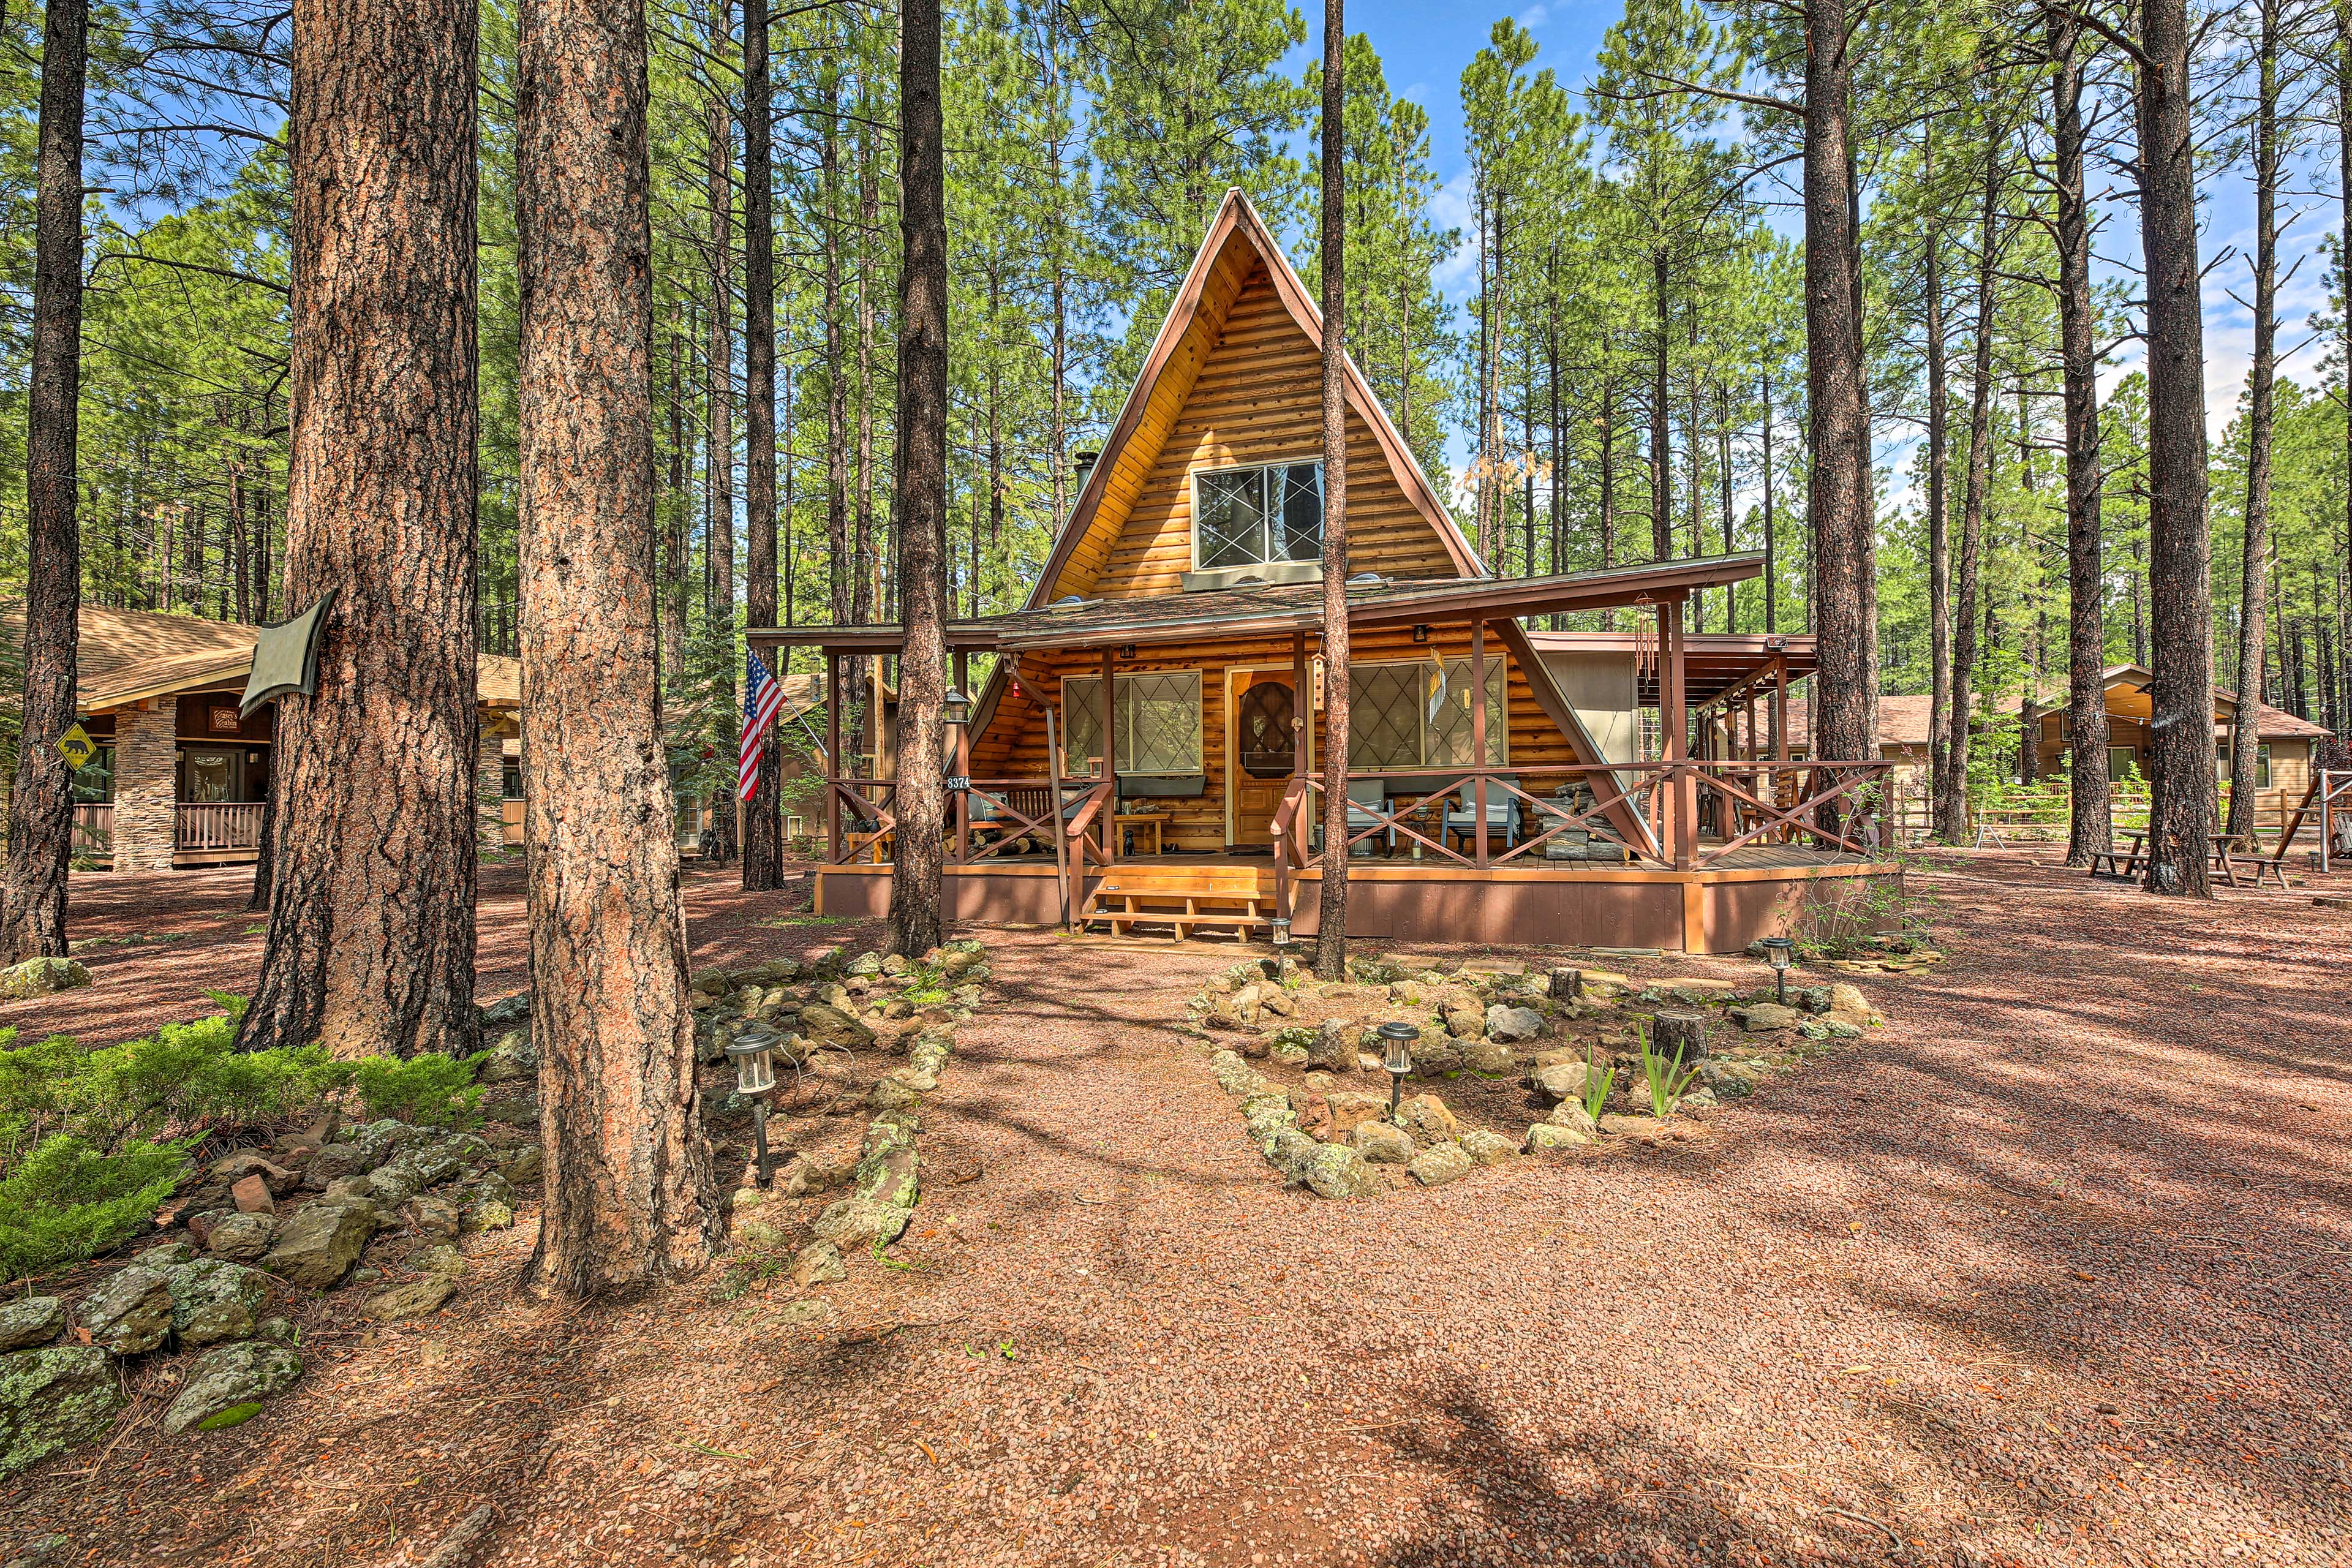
[{"x": 1236, "y": 236}]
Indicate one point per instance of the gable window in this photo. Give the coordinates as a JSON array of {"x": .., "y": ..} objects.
[
  {"x": 1418, "y": 715},
  {"x": 1157, "y": 717},
  {"x": 1257, "y": 517}
]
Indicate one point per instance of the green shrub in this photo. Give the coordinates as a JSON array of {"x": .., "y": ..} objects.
[
  {"x": 68, "y": 1200},
  {"x": 428, "y": 1090}
]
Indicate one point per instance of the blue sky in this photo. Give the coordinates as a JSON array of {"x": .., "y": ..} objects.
[{"x": 1425, "y": 47}]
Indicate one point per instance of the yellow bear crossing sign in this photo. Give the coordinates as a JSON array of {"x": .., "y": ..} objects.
[{"x": 77, "y": 746}]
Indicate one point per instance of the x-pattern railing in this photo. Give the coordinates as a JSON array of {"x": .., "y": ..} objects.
[{"x": 1831, "y": 784}]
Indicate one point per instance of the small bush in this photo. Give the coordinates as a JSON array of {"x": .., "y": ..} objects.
[
  {"x": 68, "y": 1201},
  {"x": 428, "y": 1090}
]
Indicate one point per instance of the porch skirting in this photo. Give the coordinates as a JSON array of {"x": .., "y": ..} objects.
[{"x": 1717, "y": 911}]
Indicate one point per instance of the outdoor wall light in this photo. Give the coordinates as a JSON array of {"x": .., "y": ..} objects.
[
  {"x": 1396, "y": 1058},
  {"x": 955, "y": 707},
  {"x": 1421, "y": 634},
  {"x": 754, "y": 1054},
  {"x": 1778, "y": 950}
]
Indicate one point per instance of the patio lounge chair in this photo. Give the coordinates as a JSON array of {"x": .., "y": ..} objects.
[{"x": 1502, "y": 813}]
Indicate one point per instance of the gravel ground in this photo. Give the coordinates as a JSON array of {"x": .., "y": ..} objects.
[{"x": 2048, "y": 1270}]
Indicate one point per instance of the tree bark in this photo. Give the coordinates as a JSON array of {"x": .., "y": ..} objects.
[
  {"x": 2179, "y": 540},
  {"x": 372, "y": 837},
  {"x": 2091, "y": 813},
  {"x": 1939, "y": 519},
  {"x": 1837, "y": 424},
  {"x": 628, "y": 1196},
  {"x": 763, "y": 826},
  {"x": 1662, "y": 462},
  {"x": 1952, "y": 794},
  {"x": 718, "y": 368},
  {"x": 2245, "y": 735},
  {"x": 839, "y": 564},
  {"x": 40, "y": 808},
  {"x": 1331, "y": 913},
  {"x": 917, "y": 920}
]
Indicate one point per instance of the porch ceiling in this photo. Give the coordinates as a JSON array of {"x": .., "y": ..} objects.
[{"x": 1178, "y": 618}]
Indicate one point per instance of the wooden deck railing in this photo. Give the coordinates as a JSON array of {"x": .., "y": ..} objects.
[
  {"x": 93, "y": 829},
  {"x": 219, "y": 826}
]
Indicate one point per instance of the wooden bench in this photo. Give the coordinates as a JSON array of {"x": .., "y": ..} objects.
[{"x": 1182, "y": 897}]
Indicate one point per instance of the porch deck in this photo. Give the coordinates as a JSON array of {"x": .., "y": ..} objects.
[{"x": 1754, "y": 890}]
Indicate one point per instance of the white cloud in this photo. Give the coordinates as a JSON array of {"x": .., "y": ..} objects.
[
  {"x": 1534, "y": 17},
  {"x": 1450, "y": 208}
]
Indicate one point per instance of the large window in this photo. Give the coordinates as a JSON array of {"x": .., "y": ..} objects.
[
  {"x": 1157, "y": 715},
  {"x": 1256, "y": 517},
  {"x": 2262, "y": 764},
  {"x": 1418, "y": 715}
]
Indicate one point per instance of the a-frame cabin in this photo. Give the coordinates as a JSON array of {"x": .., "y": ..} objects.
[{"x": 1178, "y": 614}]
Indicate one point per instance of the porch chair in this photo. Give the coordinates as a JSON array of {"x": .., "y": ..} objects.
[
  {"x": 1462, "y": 818},
  {"x": 1362, "y": 793}
]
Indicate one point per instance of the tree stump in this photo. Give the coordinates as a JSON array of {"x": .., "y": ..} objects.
[
  {"x": 1564, "y": 983},
  {"x": 1684, "y": 1033}
]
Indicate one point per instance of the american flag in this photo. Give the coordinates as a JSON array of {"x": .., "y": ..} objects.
[{"x": 763, "y": 696}]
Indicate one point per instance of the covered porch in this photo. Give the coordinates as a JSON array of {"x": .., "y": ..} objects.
[{"x": 1523, "y": 817}]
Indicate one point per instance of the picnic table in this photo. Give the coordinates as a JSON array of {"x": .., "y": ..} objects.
[{"x": 2228, "y": 851}]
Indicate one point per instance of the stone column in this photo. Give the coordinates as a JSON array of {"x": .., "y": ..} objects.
[{"x": 146, "y": 788}]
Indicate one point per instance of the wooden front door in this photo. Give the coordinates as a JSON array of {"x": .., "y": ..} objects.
[{"x": 1261, "y": 738}]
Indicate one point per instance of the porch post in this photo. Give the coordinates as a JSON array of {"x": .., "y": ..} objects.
[
  {"x": 1478, "y": 733},
  {"x": 1674, "y": 726},
  {"x": 1780, "y": 707},
  {"x": 1109, "y": 818},
  {"x": 146, "y": 787},
  {"x": 832, "y": 755},
  {"x": 1302, "y": 739},
  {"x": 963, "y": 760}
]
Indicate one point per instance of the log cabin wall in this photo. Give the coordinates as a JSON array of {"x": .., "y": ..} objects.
[
  {"x": 1257, "y": 398},
  {"x": 1014, "y": 745}
]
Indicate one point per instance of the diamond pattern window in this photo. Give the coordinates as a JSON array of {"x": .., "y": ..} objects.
[
  {"x": 1407, "y": 716},
  {"x": 1449, "y": 715},
  {"x": 1253, "y": 516},
  {"x": 1156, "y": 715}
]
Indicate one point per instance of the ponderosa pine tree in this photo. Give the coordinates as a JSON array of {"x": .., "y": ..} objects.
[
  {"x": 371, "y": 941},
  {"x": 1331, "y": 929},
  {"x": 40, "y": 808},
  {"x": 763, "y": 827},
  {"x": 628, "y": 1190},
  {"x": 916, "y": 919}
]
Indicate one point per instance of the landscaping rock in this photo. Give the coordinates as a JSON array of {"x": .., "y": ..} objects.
[
  {"x": 1571, "y": 1114},
  {"x": 322, "y": 1241},
  {"x": 826, "y": 1024},
  {"x": 1326, "y": 1170},
  {"x": 1382, "y": 1142},
  {"x": 251, "y": 1194},
  {"x": 1333, "y": 1048},
  {"x": 169, "y": 1255},
  {"x": 1512, "y": 1025},
  {"x": 249, "y": 1163},
  {"x": 512, "y": 1058},
  {"x": 228, "y": 1383},
  {"x": 1487, "y": 1148},
  {"x": 30, "y": 1321},
  {"x": 1440, "y": 1164},
  {"x": 1488, "y": 1057},
  {"x": 1290, "y": 1052},
  {"x": 524, "y": 1165},
  {"x": 52, "y": 1399},
  {"x": 1235, "y": 1076},
  {"x": 419, "y": 1298},
  {"x": 1544, "y": 1136},
  {"x": 1349, "y": 1111},
  {"x": 330, "y": 1164},
  {"x": 506, "y": 1013},
  {"x": 858, "y": 1222},
  {"x": 215, "y": 1301},
  {"x": 1809, "y": 998},
  {"x": 1764, "y": 1015},
  {"x": 431, "y": 1219},
  {"x": 129, "y": 1312},
  {"x": 1463, "y": 1020},
  {"x": 1427, "y": 1118},
  {"x": 1435, "y": 1056},
  {"x": 41, "y": 977},
  {"x": 818, "y": 1263},
  {"x": 1562, "y": 1080},
  {"x": 1637, "y": 1129}
]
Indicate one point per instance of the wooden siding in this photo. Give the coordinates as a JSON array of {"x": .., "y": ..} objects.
[
  {"x": 1014, "y": 745},
  {"x": 1251, "y": 392}
]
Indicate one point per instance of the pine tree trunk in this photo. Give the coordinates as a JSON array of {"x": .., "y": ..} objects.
[
  {"x": 1952, "y": 797},
  {"x": 718, "y": 521},
  {"x": 628, "y": 1194},
  {"x": 917, "y": 918},
  {"x": 40, "y": 807},
  {"x": 2245, "y": 735},
  {"x": 1331, "y": 913},
  {"x": 1662, "y": 472},
  {"x": 867, "y": 593},
  {"x": 763, "y": 824},
  {"x": 1837, "y": 424},
  {"x": 2179, "y": 540},
  {"x": 1940, "y": 517},
  {"x": 839, "y": 563},
  {"x": 2091, "y": 813},
  {"x": 372, "y": 837}
]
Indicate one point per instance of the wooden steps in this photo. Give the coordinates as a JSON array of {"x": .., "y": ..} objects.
[{"x": 1236, "y": 898}]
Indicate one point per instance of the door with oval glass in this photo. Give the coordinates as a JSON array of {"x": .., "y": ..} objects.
[{"x": 1260, "y": 754}]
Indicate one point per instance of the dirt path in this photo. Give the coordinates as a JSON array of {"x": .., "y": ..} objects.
[{"x": 2052, "y": 1269}]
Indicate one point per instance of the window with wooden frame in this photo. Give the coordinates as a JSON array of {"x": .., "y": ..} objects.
[
  {"x": 1259, "y": 516},
  {"x": 1156, "y": 714},
  {"x": 1402, "y": 716}
]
